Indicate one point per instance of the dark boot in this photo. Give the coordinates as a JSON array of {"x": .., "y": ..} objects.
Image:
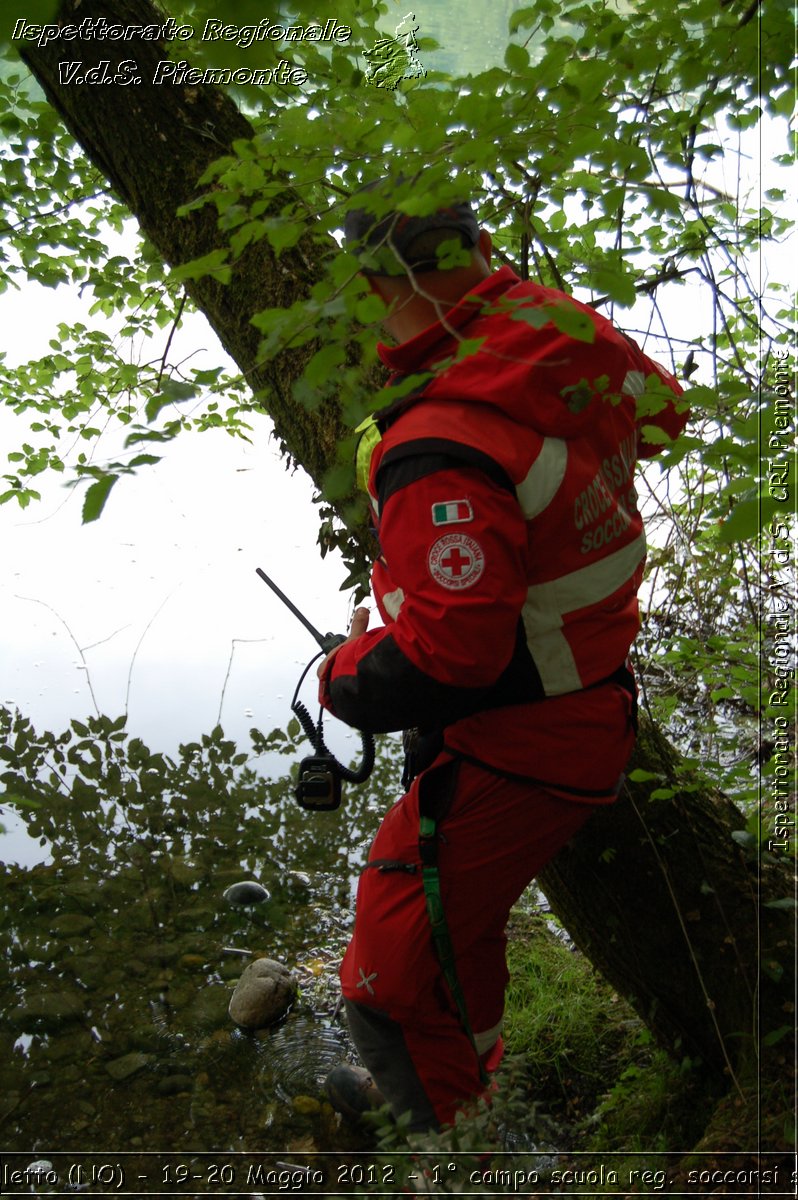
[{"x": 352, "y": 1092}]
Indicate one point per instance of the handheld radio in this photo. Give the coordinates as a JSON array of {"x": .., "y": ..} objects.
[{"x": 318, "y": 786}]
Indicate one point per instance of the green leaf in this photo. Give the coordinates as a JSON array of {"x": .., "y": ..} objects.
[
  {"x": 214, "y": 264},
  {"x": 323, "y": 364},
  {"x": 573, "y": 321},
  {"x": 773, "y": 969},
  {"x": 654, "y": 435},
  {"x": 20, "y": 801},
  {"x": 517, "y": 58},
  {"x": 96, "y": 496},
  {"x": 744, "y": 838},
  {"x": 618, "y": 284},
  {"x": 522, "y": 18},
  {"x": 467, "y": 347},
  {"x": 776, "y": 1035},
  {"x": 338, "y": 481},
  {"x": 536, "y": 315},
  {"x": 747, "y": 518},
  {"x": 144, "y": 460},
  {"x": 173, "y": 391}
]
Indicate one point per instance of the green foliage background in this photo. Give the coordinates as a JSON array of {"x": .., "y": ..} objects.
[
  {"x": 632, "y": 153},
  {"x": 608, "y": 147}
]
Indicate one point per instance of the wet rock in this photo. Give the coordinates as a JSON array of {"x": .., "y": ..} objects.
[
  {"x": 192, "y": 960},
  {"x": 129, "y": 1064},
  {"x": 245, "y": 893},
  {"x": 230, "y": 968},
  {"x": 163, "y": 952},
  {"x": 41, "y": 1173},
  {"x": 89, "y": 968},
  {"x": 75, "y": 1046},
  {"x": 172, "y": 1085},
  {"x": 46, "y": 1011},
  {"x": 300, "y": 878},
  {"x": 162, "y": 979},
  {"x": 71, "y": 1073},
  {"x": 208, "y": 1008},
  {"x": 263, "y": 994},
  {"x": 143, "y": 1037},
  {"x": 179, "y": 997},
  {"x": 42, "y": 949},
  {"x": 71, "y": 924}
]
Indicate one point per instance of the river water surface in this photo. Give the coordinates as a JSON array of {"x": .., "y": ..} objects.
[{"x": 121, "y": 951}]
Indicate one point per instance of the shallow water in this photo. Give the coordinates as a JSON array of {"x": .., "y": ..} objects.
[{"x": 121, "y": 954}]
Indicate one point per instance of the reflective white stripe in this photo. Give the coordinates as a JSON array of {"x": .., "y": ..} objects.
[
  {"x": 483, "y": 1041},
  {"x": 392, "y": 602},
  {"x": 589, "y": 584},
  {"x": 554, "y": 660},
  {"x": 634, "y": 384},
  {"x": 548, "y": 603},
  {"x": 537, "y": 491}
]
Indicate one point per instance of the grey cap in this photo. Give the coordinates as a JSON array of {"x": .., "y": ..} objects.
[{"x": 386, "y": 241}]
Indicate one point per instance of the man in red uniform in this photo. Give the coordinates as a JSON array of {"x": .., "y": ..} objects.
[{"x": 511, "y": 553}]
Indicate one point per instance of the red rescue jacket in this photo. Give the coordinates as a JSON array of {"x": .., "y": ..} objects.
[{"x": 512, "y": 548}]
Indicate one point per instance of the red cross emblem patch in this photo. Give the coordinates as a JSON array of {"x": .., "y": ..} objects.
[{"x": 456, "y": 561}]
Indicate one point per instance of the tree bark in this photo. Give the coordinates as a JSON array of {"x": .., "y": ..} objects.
[
  {"x": 655, "y": 891},
  {"x": 673, "y": 912}
]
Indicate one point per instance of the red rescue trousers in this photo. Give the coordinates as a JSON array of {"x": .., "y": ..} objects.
[{"x": 495, "y": 836}]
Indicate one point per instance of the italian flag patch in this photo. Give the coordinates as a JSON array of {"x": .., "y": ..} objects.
[{"x": 452, "y": 512}]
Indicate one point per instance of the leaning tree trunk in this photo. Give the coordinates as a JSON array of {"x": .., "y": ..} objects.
[
  {"x": 674, "y": 912},
  {"x": 153, "y": 143},
  {"x": 655, "y": 890}
]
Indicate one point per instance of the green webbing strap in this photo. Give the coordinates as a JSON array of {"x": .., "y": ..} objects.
[{"x": 440, "y": 930}]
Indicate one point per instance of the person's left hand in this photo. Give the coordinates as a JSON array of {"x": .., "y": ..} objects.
[{"x": 360, "y": 623}]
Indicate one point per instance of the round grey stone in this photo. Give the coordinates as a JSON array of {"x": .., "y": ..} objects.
[
  {"x": 246, "y": 892},
  {"x": 263, "y": 994}
]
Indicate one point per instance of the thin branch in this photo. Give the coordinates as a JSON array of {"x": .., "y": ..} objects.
[
  {"x": 102, "y": 641},
  {"x": 74, "y": 640},
  {"x": 233, "y": 644},
  {"x": 39, "y": 217},
  {"x": 147, "y": 628},
  {"x": 172, "y": 332}
]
